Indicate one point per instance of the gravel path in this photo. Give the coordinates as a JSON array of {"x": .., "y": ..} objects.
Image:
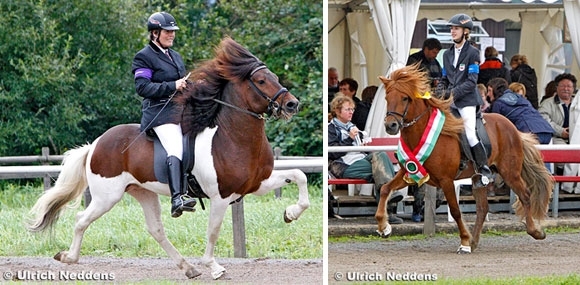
[
  {"x": 131, "y": 270},
  {"x": 497, "y": 256}
]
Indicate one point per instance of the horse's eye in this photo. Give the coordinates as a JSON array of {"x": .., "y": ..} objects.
[
  {"x": 405, "y": 99},
  {"x": 261, "y": 81}
]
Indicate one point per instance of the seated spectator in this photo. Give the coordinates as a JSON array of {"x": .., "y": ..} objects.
[
  {"x": 349, "y": 87},
  {"x": 549, "y": 91},
  {"x": 483, "y": 93},
  {"x": 518, "y": 110},
  {"x": 492, "y": 67},
  {"x": 332, "y": 84},
  {"x": 518, "y": 88},
  {"x": 376, "y": 167},
  {"x": 556, "y": 111}
]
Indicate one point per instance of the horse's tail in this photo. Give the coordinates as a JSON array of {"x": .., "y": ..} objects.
[
  {"x": 537, "y": 177},
  {"x": 69, "y": 186}
]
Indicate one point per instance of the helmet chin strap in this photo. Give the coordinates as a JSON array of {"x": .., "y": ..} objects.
[
  {"x": 459, "y": 40},
  {"x": 157, "y": 39}
]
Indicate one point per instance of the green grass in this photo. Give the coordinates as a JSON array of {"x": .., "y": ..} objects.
[{"x": 122, "y": 232}]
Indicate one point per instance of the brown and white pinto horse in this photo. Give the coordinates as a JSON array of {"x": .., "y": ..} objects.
[
  {"x": 232, "y": 156},
  {"x": 513, "y": 156}
]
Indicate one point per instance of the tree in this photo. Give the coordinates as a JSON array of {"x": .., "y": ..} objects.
[{"x": 65, "y": 69}]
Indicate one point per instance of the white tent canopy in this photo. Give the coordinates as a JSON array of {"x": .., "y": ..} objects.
[{"x": 384, "y": 28}]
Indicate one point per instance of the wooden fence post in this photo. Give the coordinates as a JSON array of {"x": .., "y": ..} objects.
[
  {"x": 277, "y": 154},
  {"x": 429, "y": 213},
  {"x": 239, "y": 229},
  {"x": 46, "y": 178}
]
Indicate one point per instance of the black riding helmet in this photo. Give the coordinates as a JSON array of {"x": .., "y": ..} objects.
[
  {"x": 161, "y": 20},
  {"x": 461, "y": 20}
]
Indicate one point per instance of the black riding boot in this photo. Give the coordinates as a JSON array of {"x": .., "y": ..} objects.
[
  {"x": 485, "y": 174},
  {"x": 179, "y": 200}
]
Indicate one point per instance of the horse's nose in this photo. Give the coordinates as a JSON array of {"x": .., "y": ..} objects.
[
  {"x": 392, "y": 127},
  {"x": 291, "y": 106}
]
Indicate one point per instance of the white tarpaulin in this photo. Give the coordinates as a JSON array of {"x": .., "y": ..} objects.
[
  {"x": 572, "y": 8},
  {"x": 395, "y": 24}
]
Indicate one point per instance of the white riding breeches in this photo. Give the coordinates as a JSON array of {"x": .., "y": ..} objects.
[
  {"x": 171, "y": 138},
  {"x": 469, "y": 121}
]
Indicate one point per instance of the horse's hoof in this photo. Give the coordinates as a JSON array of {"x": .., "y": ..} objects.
[
  {"x": 386, "y": 232},
  {"x": 539, "y": 235},
  {"x": 464, "y": 249},
  {"x": 192, "y": 273},
  {"x": 217, "y": 274},
  {"x": 286, "y": 219},
  {"x": 60, "y": 256}
]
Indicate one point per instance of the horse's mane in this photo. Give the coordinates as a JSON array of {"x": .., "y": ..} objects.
[
  {"x": 232, "y": 62},
  {"x": 412, "y": 80}
]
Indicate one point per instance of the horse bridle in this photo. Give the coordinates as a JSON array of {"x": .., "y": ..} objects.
[
  {"x": 401, "y": 122},
  {"x": 273, "y": 106}
]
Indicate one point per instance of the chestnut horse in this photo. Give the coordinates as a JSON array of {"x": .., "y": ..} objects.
[
  {"x": 232, "y": 156},
  {"x": 513, "y": 156}
]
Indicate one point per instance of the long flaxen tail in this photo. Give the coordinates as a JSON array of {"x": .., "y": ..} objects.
[
  {"x": 69, "y": 186},
  {"x": 537, "y": 177}
]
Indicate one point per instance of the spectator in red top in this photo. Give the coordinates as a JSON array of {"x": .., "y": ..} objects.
[{"x": 492, "y": 67}]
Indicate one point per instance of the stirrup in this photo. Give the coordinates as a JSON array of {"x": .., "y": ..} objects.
[
  {"x": 479, "y": 180},
  {"x": 186, "y": 204}
]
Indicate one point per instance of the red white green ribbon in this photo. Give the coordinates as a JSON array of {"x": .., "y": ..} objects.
[{"x": 412, "y": 160}]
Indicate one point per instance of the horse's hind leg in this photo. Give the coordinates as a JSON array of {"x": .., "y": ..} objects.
[
  {"x": 152, "y": 210},
  {"x": 100, "y": 204},
  {"x": 518, "y": 185},
  {"x": 482, "y": 207},
  {"x": 449, "y": 191}
]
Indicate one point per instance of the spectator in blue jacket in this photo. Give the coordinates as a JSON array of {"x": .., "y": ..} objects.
[{"x": 518, "y": 110}]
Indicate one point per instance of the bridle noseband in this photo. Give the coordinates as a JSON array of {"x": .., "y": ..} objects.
[
  {"x": 273, "y": 106},
  {"x": 402, "y": 124}
]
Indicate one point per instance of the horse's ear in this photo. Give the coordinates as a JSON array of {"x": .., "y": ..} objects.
[{"x": 384, "y": 79}]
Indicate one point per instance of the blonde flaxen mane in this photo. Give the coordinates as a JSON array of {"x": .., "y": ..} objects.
[{"x": 412, "y": 81}]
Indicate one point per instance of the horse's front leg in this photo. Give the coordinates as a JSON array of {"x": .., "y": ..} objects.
[
  {"x": 384, "y": 229},
  {"x": 216, "y": 216},
  {"x": 280, "y": 178}
]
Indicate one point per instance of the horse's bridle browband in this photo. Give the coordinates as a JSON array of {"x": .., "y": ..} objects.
[
  {"x": 272, "y": 104},
  {"x": 401, "y": 122}
]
